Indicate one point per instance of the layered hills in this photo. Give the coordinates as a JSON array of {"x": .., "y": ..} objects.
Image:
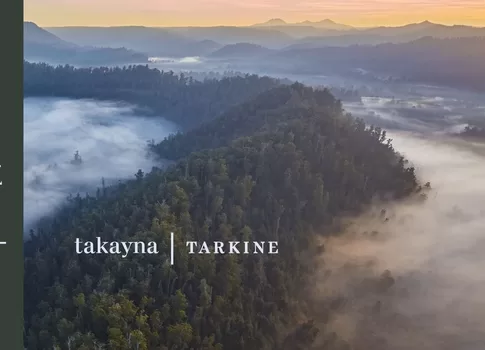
[{"x": 41, "y": 45}]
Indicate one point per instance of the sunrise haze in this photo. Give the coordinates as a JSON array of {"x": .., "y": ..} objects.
[{"x": 241, "y": 13}]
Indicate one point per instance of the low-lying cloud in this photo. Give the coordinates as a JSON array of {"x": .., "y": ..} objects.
[
  {"x": 110, "y": 138},
  {"x": 413, "y": 277}
]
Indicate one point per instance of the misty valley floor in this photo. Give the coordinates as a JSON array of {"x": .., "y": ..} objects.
[
  {"x": 110, "y": 138},
  {"x": 432, "y": 250}
]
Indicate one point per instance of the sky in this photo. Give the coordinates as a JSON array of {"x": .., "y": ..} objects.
[{"x": 362, "y": 13}]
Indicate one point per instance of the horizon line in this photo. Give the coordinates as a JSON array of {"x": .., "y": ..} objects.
[{"x": 258, "y": 25}]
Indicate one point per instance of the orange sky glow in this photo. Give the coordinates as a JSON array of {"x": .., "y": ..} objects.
[{"x": 361, "y": 13}]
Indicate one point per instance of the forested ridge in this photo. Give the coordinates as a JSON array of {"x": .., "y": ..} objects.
[
  {"x": 280, "y": 166},
  {"x": 178, "y": 98},
  {"x": 267, "y": 111}
]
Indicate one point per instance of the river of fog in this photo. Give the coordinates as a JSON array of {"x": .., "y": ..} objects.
[
  {"x": 110, "y": 138},
  {"x": 433, "y": 250}
]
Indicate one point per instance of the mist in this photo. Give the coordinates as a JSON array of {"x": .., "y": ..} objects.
[
  {"x": 111, "y": 140},
  {"x": 411, "y": 275}
]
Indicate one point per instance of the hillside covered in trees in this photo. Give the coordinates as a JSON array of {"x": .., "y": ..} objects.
[
  {"x": 281, "y": 165},
  {"x": 183, "y": 100},
  {"x": 265, "y": 112}
]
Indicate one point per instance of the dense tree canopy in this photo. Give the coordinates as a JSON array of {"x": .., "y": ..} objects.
[
  {"x": 184, "y": 100},
  {"x": 279, "y": 166},
  {"x": 268, "y": 111}
]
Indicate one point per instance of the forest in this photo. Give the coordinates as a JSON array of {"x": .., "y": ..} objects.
[
  {"x": 178, "y": 98},
  {"x": 273, "y": 162}
]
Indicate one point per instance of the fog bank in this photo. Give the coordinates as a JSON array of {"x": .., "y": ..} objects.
[
  {"x": 110, "y": 138},
  {"x": 432, "y": 295}
]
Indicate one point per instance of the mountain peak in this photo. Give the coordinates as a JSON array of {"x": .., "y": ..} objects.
[
  {"x": 322, "y": 24},
  {"x": 323, "y": 21},
  {"x": 326, "y": 24},
  {"x": 276, "y": 21},
  {"x": 273, "y": 22},
  {"x": 326, "y": 20},
  {"x": 35, "y": 34},
  {"x": 425, "y": 23}
]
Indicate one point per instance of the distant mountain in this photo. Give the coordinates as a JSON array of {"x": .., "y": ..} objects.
[
  {"x": 174, "y": 42},
  {"x": 150, "y": 41},
  {"x": 226, "y": 35},
  {"x": 272, "y": 22},
  {"x": 326, "y": 24},
  {"x": 41, "y": 45},
  {"x": 33, "y": 34},
  {"x": 342, "y": 41},
  {"x": 241, "y": 50},
  {"x": 456, "y": 62},
  {"x": 381, "y": 35},
  {"x": 323, "y": 24},
  {"x": 427, "y": 28},
  {"x": 203, "y": 48},
  {"x": 273, "y": 34},
  {"x": 402, "y": 30},
  {"x": 295, "y": 32},
  {"x": 329, "y": 33}
]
